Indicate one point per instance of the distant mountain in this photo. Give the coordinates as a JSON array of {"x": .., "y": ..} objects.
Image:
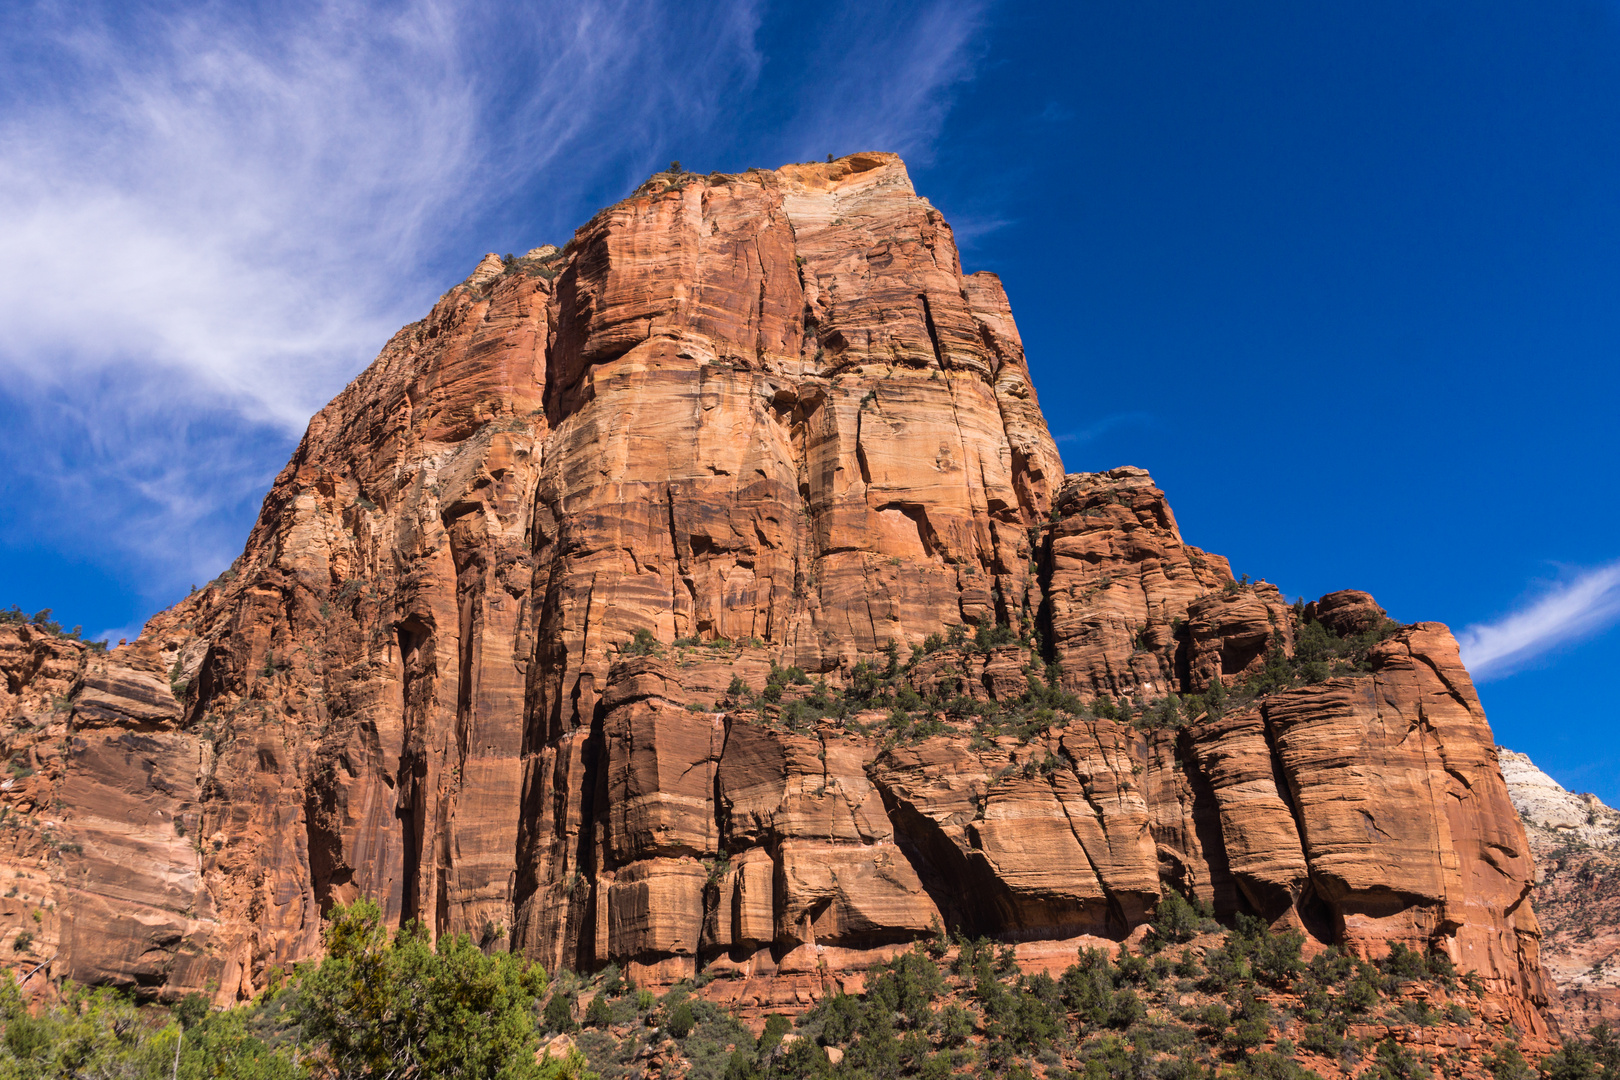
[{"x": 1575, "y": 839}]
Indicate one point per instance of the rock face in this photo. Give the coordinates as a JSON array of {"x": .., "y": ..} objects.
[
  {"x": 491, "y": 655},
  {"x": 1575, "y": 840}
]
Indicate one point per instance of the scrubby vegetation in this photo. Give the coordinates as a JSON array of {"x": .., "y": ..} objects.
[
  {"x": 1196, "y": 1004},
  {"x": 377, "y": 1006},
  {"x": 42, "y": 621},
  {"x": 1319, "y": 654},
  {"x": 887, "y": 688},
  {"x": 931, "y": 692}
]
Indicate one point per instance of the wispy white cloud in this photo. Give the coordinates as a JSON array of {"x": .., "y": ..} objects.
[
  {"x": 249, "y": 205},
  {"x": 216, "y": 214},
  {"x": 1565, "y": 612},
  {"x": 1098, "y": 428},
  {"x": 193, "y": 203},
  {"x": 884, "y": 82},
  {"x": 969, "y": 229}
]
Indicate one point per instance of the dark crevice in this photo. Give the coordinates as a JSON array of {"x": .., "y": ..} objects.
[
  {"x": 1441, "y": 676},
  {"x": 674, "y": 534},
  {"x": 860, "y": 449},
  {"x": 933, "y": 331},
  {"x": 1041, "y": 553},
  {"x": 960, "y": 893},
  {"x": 1313, "y": 912},
  {"x": 593, "y": 813},
  {"x": 1279, "y": 774},
  {"x": 1206, "y": 818},
  {"x": 413, "y": 637}
]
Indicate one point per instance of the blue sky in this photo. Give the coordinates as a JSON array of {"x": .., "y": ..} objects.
[{"x": 1343, "y": 276}]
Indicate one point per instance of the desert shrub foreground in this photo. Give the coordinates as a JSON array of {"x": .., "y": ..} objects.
[{"x": 1194, "y": 1002}]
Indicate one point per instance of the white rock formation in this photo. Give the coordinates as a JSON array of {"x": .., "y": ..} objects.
[{"x": 1544, "y": 803}]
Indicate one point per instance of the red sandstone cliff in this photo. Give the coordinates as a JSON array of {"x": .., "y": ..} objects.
[{"x": 767, "y": 418}]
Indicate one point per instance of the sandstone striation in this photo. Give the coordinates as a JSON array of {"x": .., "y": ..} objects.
[{"x": 707, "y": 595}]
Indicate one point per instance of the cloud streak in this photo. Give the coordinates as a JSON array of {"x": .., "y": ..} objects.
[
  {"x": 216, "y": 214},
  {"x": 1099, "y": 428},
  {"x": 1565, "y": 613},
  {"x": 891, "y": 80}
]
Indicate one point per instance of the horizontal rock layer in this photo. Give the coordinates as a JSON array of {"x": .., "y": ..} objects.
[{"x": 758, "y": 420}]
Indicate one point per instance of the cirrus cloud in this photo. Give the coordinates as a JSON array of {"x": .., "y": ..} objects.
[
  {"x": 1564, "y": 613},
  {"x": 216, "y": 214}
]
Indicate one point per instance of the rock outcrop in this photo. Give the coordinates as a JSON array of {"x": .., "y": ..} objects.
[
  {"x": 1575, "y": 840},
  {"x": 580, "y": 623}
]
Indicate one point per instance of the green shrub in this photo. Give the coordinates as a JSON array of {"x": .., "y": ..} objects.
[
  {"x": 443, "y": 1009},
  {"x": 1127, "y": 1009},
  {"x": 1087, "y": 987},
  {"x": 1395, "y": 1062},
  {"x": 1134, "y": 970},
  {"x": 597, "y": 1013},
  {"x": 1185, "y": 1067},
  {"x": 1322, "y": 1039},
  {"x": 559, "y": 1014},
  {"x": 1330, "y": 967},
  {"x": 1268, "y": 1066},
  {"x": 1415, "y": 1011},
  {"x": 96, "y": 1033},
  {"x": 1161, "y": 714},
  {"x": 804, "y": 1060},
  {"x": 1403, "y": 964},
  {"x": 907, "y": 987},
  {"x": 1214, "y": 1018},
  {"x": 1606, "y": 1047},
  {"x": 1251, "y": 1023},
  {"x": 990, "y": 636},
  {"x": 41, "y": 620},
  {"x": 1573, "y": 1060},
  {"x": 1506, "y": 1063},
  {"x": 1362, "y": 992},
  {"x": 1224, "y": 968},
  {"x": 681, "y": 1020},
  {"x": 955, "y": 1025},
  {"x": 643, "y": 643},
  {"x": 1175, "y": 921},
  {"x": 1030, "y": 1019},
  {"x": 1276, "y": 959}
]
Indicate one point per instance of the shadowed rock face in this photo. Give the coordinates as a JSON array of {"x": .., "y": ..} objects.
[{"x": 768, "y": 419}]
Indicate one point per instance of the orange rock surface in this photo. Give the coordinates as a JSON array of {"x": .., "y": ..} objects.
[{"x": 763, "y": 419}]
